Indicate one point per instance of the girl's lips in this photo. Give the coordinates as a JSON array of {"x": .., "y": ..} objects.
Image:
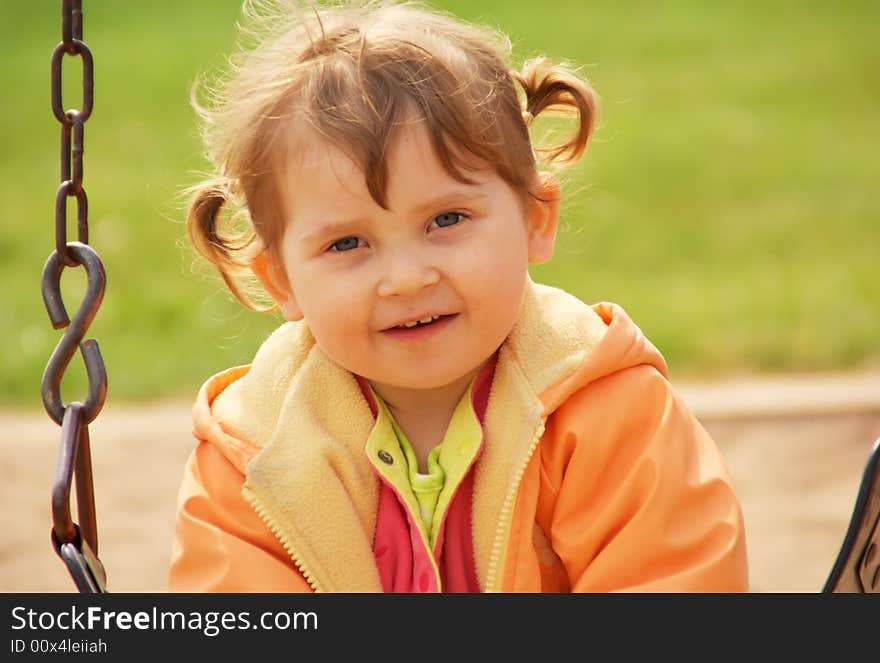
[{"x": 420, "y": 332}]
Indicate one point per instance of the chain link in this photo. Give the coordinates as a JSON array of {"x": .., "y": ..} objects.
[{"x": 76, "y": 544}]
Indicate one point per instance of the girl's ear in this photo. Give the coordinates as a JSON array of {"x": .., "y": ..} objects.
[
  {"x": 276, "y": 285},
  {"x": 543, "y": 216}
]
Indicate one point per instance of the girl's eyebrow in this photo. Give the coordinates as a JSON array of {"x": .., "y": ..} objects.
[
  {"x": 463, "y": 196},
  {"x": 333, "y": 229}
]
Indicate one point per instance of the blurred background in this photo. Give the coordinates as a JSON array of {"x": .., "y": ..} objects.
[{"x": 728, "y": 200}]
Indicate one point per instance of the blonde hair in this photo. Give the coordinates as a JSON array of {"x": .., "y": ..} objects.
[{"x": 351, "y": 72}]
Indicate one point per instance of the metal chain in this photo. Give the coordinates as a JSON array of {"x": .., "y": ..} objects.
[{"x": 76, "y": 544}]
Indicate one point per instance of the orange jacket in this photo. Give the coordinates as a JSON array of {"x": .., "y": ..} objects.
[{"x": 595, "y": 476}]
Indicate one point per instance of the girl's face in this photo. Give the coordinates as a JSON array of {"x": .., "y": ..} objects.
[{"x": 416, "y": 296}]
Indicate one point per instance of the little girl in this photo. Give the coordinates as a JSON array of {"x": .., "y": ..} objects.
[{"x": 428, "y": 419}]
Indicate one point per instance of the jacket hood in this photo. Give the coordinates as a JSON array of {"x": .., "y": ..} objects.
[
  {"x": 563, "y": 344},
  {"x": 295, "y": 423}
]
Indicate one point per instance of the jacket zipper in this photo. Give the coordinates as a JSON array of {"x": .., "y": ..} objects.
[
  {"x": 503, "y": 532},
  {"x": 263, "y": 513}
]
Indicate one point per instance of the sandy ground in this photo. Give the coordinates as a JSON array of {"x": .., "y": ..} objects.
[{"x": 795, "y": 449}]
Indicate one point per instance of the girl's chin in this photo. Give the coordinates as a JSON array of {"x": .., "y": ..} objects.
[{"x": 427, "y": 381}]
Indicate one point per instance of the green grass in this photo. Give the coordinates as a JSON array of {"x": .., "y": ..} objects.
[{"x": 728, "y": 201}]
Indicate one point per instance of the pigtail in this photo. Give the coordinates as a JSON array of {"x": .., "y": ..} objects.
[
  {"x": 555, "y": 89},
  {"x": 228, "y": 249}
]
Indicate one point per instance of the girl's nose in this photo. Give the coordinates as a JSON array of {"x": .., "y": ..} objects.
[{"x": 406, "y": 273}]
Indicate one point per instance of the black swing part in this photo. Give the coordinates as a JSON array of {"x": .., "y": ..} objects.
[
  {"x": 857, "y": 568},
  {"x": 76, "y": 544}
]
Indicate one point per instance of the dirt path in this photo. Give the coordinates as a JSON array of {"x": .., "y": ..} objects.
[{"x": 795, "y": 450}]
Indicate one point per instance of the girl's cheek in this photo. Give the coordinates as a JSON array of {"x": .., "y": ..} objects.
[{"x": 494, "y": 265}]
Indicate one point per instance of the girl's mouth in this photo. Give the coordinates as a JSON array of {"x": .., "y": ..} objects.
[
  {"x": 418, "y": 323},
  {"x": 420, "y": 328}
]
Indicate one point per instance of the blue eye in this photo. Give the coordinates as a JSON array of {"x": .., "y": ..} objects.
[
  {"x": 448, "y": 219},
  {"x": 345, "y": 244}
]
